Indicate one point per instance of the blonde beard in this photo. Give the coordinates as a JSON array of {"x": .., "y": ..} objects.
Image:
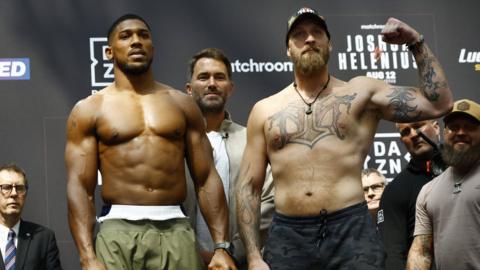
[{"x": 310, "y": 64}]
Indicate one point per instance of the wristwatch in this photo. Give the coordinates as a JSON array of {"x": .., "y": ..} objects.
[{"x": 227, "y": 246}]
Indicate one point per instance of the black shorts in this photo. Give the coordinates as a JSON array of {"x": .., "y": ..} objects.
[{"x": 345, "y": 239}]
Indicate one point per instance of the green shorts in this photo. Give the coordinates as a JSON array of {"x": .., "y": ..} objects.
[{"x": 147, "y": 244}]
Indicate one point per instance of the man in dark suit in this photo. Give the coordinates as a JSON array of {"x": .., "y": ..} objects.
[{"x": 23, "y": 245}]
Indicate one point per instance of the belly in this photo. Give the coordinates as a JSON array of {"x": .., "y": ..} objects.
[
  {"x": 148, "y": 171},
  {"x": 310, "y": 180}
]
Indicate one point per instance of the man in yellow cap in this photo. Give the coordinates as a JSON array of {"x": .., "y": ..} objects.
[{"x": 447, "y": 225}]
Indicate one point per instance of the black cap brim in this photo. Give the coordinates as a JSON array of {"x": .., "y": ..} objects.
[{"x": 314, "y": 17}]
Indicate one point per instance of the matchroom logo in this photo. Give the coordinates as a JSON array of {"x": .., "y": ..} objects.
[
  {"x": 252, "y": 66},
  {"x": 14, "y": 69}
]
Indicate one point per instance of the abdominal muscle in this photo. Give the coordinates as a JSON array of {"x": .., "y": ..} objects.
[{"x": 148, "y": 171}]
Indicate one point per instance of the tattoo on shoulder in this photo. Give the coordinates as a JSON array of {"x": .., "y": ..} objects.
[
  {"x": 293, "y": 125},
  {"x": 399, "y": 101}
]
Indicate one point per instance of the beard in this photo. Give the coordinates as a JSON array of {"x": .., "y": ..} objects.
[
  {"x": 309, "y": 64},
  {"x": 130, "y": 69},
  {"x": 465, "y": 158},
  {"x": 210, "y": 106}
]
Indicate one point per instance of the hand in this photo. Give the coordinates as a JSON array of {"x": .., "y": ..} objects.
[
  {"x": 258, "y": 265},
  {"x": 93, "y": 264},
  {"x": 221, "y": 261},
  {"x": 398, "y": 32},
  {"x": 206, "y": 256}
]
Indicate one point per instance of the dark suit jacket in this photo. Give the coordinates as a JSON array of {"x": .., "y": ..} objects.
[{"x": 36, "y": 248}]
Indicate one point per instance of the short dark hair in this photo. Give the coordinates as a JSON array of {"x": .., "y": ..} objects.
[
  {"x": 128, "y": 16},
  {"x": 213, "y": 53},
  {"x": 14, "y": 168}
]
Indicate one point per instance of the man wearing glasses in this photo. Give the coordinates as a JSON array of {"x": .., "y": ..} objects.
[
  {"x": 19, "y": 236},
  {"x": 373, "y": 183}
]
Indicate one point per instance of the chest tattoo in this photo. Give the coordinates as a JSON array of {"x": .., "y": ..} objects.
[{"x": 292, "y": 125}]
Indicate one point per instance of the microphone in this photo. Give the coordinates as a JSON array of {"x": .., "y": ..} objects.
[
  {"x": 424, "y": 137},
  {"x": 438, "y": 165}
]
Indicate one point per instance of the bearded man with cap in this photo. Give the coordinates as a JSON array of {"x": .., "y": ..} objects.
[
  {"x": 316, "y": 133},
  {"x": 447, "y": 223}
]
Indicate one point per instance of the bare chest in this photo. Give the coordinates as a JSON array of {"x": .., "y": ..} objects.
[
  {"x": 123, "y": 119},
  {"x": 332, "y": 116}
]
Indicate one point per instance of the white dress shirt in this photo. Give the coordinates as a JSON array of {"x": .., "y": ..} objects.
[{"x": 4, "y": 237}]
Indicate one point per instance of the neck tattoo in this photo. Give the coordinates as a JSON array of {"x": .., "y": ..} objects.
[{"x": 309, "y": 104}]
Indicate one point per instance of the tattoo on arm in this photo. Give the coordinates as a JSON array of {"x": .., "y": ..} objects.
[
  {"x": 248, "y": 211},
  {"x": 430, "y": 83},
  {"x": 399, "y": 101},
  {"x": 421, "y": 253}
]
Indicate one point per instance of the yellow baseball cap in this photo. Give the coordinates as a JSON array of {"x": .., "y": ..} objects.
[{"x": 464, "y": 106}]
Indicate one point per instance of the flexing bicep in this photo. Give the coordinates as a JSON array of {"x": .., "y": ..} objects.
[
  {"x": 421, "y": 252},
  {"x": 432, "y": 98}
]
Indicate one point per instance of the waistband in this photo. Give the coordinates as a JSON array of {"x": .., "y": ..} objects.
[
  {"x": 139, "y": 212},
  {"x": 339, "y": 215}
]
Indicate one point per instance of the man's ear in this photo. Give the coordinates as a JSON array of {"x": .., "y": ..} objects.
[
  {"x": 188, "y": 88},
  {"x": 232, "y": 89},
  {"x": 330, "y": 46},
  {"x": 436, "y": 127},
  {"x": 108, "y": 52}
]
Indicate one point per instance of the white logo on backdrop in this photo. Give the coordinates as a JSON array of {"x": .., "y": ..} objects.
[
  {"x": 101, "y": 69},
  {"x": 470, "y": 57},
  {"x": 361, "y": 50},
  {"x": 387, "y": 154},
  {"x": 252, "y": 66}
]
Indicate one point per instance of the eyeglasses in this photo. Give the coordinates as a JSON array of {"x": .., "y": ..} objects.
[
  {"x": 377, "y": 188},
  {"x": 7, "y": 189}
]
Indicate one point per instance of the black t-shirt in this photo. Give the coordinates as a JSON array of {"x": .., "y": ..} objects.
[{"x": 396, "y": 214}]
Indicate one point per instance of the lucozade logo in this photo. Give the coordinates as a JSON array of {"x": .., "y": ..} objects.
[
  {"x": 14, "y": 69},
  {"x": 470, "y": 57},
  {"x": 101, "y": 69}
]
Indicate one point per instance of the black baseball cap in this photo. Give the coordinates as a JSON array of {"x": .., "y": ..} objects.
[{"x": 302, "y": 14}]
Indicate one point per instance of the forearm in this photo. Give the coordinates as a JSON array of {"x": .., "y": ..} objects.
[
  {"x": 266, "y": 212},
  {"x": 433, "y": 83},
  {"x": 420, "y": 254},
  {"x": 81, "y": 218},
  {"x": 213, "y": 205},
  {"x": 417, "y": 261},
  {"x": 248, "y": 218}
]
